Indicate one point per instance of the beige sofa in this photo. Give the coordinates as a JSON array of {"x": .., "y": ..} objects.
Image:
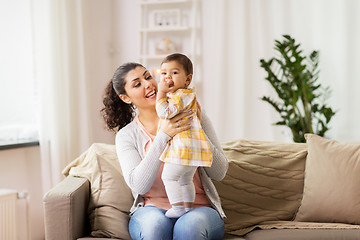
[{"x": 261, "y": 194}]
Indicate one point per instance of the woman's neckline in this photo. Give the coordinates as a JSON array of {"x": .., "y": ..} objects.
[{"x": 149, "y": 124}]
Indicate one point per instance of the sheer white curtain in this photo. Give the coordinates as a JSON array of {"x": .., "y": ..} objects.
[
  {"x": 238, "y": 33},
  {"x": 59, "y": 51}
]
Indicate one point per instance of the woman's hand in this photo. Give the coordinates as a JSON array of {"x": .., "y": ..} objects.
[
  {"x": 177, "y": 124},
  {"x": 198, "y": 110}
]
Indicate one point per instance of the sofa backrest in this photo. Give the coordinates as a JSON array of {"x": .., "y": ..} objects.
[{"x": 264, "y": 182}]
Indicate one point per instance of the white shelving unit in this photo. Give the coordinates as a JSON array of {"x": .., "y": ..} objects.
[{"x": 168, "y": 26}]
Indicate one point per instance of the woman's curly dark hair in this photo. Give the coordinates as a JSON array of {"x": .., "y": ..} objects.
[{"x": 117, "y": 113}]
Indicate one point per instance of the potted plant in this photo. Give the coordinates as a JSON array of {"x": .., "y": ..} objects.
[{"x": 301, "y": 99}]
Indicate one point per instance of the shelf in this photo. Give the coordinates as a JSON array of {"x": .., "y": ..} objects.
[
  {"x": 161, "y": 2},
  {"x": 153, "y": 57},
  {"x": 165, "y": 29},
  {"x": 157, "y": 57},
  {"x": 5, "y": 145}
]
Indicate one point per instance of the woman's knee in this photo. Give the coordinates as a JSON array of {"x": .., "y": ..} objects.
[
  {"x": 199, "y": 223},
  {"x": 150, "y": 223}
]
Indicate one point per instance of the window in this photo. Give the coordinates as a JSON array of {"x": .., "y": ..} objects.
[{"x": 18, "y": 96}]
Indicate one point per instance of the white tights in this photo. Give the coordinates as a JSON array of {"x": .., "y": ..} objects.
[{"x": 178, "y": 181}]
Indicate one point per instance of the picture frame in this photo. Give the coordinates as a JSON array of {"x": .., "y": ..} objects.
[{"x": 165, "y": 18}]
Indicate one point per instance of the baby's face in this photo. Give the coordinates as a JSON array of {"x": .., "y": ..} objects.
[{"x": 173, "y": 71}]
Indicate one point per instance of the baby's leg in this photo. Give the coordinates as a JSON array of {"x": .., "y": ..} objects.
[
  {"x": 188, "y": 187},
  {"x": 170, "y": 176}
]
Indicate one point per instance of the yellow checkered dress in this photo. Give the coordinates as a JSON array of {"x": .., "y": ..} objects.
[{"x": 189, "y": 148}]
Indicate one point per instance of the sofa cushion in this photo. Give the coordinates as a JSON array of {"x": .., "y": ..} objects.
[
  {"x": 304, "y": 234},
  {"x": 264, "y": 182},
  {"x": 110, "y": 197},
  {"x": 331, "y": 186}
]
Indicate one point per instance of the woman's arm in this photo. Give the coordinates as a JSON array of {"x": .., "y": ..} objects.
[
  {"x": 220, "y": 164},
  {"x": 138, "y": 173}
]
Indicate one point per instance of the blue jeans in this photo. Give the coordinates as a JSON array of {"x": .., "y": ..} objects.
[{"x": 150, "y": 223}]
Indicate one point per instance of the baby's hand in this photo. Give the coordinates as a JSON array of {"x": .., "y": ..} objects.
[{"x": 165, "y": 85}]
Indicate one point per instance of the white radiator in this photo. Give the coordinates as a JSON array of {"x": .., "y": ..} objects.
[
  {"x": 8, "y": 204},
  {"x": 14, "y": 215}
]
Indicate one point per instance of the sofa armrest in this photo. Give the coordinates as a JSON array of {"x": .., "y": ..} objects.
[{"x": 65, "y": 209}]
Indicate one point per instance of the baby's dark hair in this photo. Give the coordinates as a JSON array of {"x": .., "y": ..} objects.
[
  {"x": 117, "y": 113},
  {"x": 182, "y": 60}
]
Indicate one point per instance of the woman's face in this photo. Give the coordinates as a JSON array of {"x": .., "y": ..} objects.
[{"x": 141, "y": 88}]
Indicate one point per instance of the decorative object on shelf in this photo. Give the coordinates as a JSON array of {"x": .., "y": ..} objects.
[
  {"x": 165, "y": 18},
  {"x": 165, "y": 46},
  {"x": 301, "y": 103}
]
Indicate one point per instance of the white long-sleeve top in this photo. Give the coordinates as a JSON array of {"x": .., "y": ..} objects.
[{"x": 140, "y": 170}]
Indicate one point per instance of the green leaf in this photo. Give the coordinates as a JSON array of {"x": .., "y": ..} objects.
[{"x": 294, "y": 77}]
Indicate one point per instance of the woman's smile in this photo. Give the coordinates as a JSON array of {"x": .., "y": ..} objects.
[{"x": 151, "y": 94}]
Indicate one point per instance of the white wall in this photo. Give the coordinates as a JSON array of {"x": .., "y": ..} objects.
[
  {"x": 99, "y": 44},
  {"x": 20, "y": 170},
  {"x": 111, "y": 38}
]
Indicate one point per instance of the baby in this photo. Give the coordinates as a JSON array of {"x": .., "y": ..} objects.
[{"x": 189, "y": 149}]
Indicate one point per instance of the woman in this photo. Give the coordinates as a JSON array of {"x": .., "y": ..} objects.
[{"x": 139, "y": 145}]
